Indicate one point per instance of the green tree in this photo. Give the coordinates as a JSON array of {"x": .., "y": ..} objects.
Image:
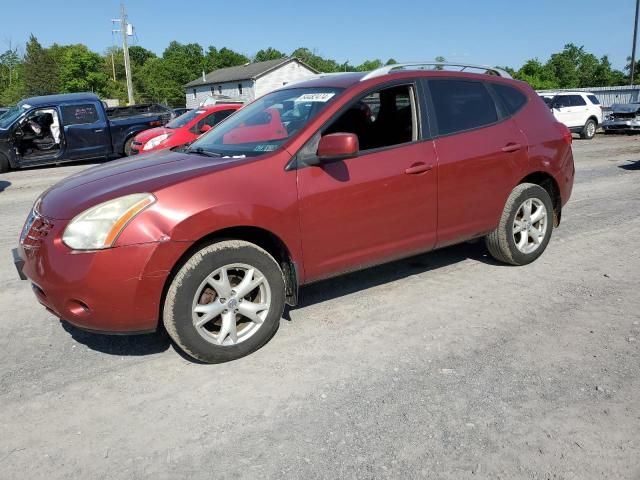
[
  {"x": 9, "y": 61},
  {"x": 391, "y": 61},
  {"x": 319, "y": 63},
  {"x": 40, "y": 70},
  {"x": 81, "y": 70},
  {"x": 268, "y": 54},
  {"x": 440, "y": 59},
  {"x": 369, "y": 65},
  {"x": 223, "y": 58},
  {"x": 539, "y": 76},
  {"x": 139, "y": 55}
]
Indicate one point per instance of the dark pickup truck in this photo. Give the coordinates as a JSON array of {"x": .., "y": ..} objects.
[{"x": 70, "y": 127}]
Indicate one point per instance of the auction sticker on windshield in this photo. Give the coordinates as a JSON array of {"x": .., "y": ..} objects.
[{"x": 315, "y": 97}]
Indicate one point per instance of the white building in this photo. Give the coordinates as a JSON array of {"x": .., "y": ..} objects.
[{"x": 247, "y": 82}]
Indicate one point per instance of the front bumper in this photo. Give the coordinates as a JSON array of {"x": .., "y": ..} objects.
[
  {"x": 116, "y": 290},
  {"x": 621, "y": 125}
]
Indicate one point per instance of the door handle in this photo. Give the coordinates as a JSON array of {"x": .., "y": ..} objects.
[
  {"x": 512, "y": 147},
  {"x": 98, "y": 130},
  {"x": 418, "y": 168}
]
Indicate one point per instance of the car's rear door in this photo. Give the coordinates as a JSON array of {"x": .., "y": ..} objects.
[
  {"x": 382, "y": 203},
  {"x": 480, "y": 152},
  {"x": 86, "y": 131}
]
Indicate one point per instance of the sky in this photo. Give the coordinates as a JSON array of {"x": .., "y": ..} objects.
[{"x": 495, "y": 32}]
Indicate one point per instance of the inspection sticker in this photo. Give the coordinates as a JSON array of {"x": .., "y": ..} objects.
[
  {"x": 315, "y": 97},
  {"x": 265, "y": 148}
]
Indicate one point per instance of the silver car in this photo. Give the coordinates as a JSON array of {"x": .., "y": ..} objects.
[{"x": 622, "y": 118}]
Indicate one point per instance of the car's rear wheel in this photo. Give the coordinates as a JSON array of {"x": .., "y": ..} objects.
[
  {"x": 589, "y": 129},
  {"x": 225, "y": 302},
  {"x": 525, "y": 227}
]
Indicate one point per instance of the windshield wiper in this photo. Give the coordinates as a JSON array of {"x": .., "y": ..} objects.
[{"x": 202, "y": 151}]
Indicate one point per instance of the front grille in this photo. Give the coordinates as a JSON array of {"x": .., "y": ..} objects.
[
  {"x": 625, "y": 116},
  {"x": 35, "y": 230}
]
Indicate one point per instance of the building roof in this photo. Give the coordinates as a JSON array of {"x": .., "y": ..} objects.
[
  {"x": 57, "y": 99},
  {"x": 248, "y": 71}
]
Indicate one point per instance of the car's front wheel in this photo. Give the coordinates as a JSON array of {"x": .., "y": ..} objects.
[
  {"x": 525, "y": 226},
  {"x": 225, "y": 302},
  {"x": 127, "y": 150}
]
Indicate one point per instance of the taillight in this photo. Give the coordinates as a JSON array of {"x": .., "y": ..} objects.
[{"x": 566, "y": 133}]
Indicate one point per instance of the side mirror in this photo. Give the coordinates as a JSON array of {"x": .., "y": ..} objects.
[
  {"x": 337, "y": 146},
  {"x": 205, "y": 128}
]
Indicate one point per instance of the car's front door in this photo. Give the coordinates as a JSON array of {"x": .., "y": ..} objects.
[
  {"x": 379, "y": 205},
  {"x": 86, "y": 131}
]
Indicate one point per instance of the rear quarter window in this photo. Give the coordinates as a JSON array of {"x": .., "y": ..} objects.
[
  {"x": 512, "y": 98},
  {"x": 461, "y": 105},
  {"x": 593, "y": 99}
]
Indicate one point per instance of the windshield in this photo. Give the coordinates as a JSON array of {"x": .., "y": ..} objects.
[
  {"x": 8, "y": 117},
  {"x": 184, "y": 119},
  {"x": 265, "y": 124},
  {"x": 547, "y": 99}
]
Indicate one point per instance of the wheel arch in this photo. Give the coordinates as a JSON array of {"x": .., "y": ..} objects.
[
  {"x": 546, "y": 181},
  {"x": 261, "y": 237},
  {"x": 595, "y": 119}
]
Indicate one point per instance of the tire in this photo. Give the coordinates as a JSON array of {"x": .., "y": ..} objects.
[
  {"x": 4, "y": 164},
  {"x": 127, "y": 147},
  {"x": 589, "y": 130},
  {"x": 502, "y": 243},
  {"x": 195, "y": 295}
]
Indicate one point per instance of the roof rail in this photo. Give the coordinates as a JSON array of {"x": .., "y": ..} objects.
[{"x": 435, "y": 66}]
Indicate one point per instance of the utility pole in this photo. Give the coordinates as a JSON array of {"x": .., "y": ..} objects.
[
  {"x": 126, "y": 29},
  {"x": 113, "y": 66},
  {"x": 635, "y": 37}
]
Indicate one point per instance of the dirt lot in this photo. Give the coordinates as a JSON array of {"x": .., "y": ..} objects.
[{"x": 445, "y": 365}]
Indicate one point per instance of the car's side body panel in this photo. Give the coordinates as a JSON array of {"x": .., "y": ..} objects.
[
  {"x": 331, "y": 218},
  {"x": 367, "y": 209}
]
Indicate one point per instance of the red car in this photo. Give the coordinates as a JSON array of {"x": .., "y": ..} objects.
[
  {"x": 183, "y": 129},
  {"x": 307, "y": 182}
]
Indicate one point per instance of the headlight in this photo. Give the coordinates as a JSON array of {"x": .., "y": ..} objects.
[
  {"x": 99, "y": 226},
  {"x": 155, "y": 141}
]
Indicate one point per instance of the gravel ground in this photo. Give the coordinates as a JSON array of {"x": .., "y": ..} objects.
[{"x": 445, "y": 365}]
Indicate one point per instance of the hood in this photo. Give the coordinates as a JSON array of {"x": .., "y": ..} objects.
[
  {"x": 625, "y": 108},
  {"x": 146, "y": 135},
  {"x": 142, "y": 174}
]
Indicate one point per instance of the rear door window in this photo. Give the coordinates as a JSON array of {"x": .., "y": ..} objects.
[
  {"x": 576, "y": 101},
  {"x": 512, "y": 98},
  {"x": 79, "y": 114},
  {"x": 461, "y": 105}
]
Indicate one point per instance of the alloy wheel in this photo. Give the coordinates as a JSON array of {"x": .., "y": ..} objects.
[
  {"x": 231, "y": 304},
  {"x": 530, "y": 225}
]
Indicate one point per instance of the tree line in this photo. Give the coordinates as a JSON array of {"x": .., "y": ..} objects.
[{"x": 75, "y": 68}]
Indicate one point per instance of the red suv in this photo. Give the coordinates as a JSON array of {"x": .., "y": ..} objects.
[
  {"x": 184, "y": 129},
  {"x": 310, "y": 181}
]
